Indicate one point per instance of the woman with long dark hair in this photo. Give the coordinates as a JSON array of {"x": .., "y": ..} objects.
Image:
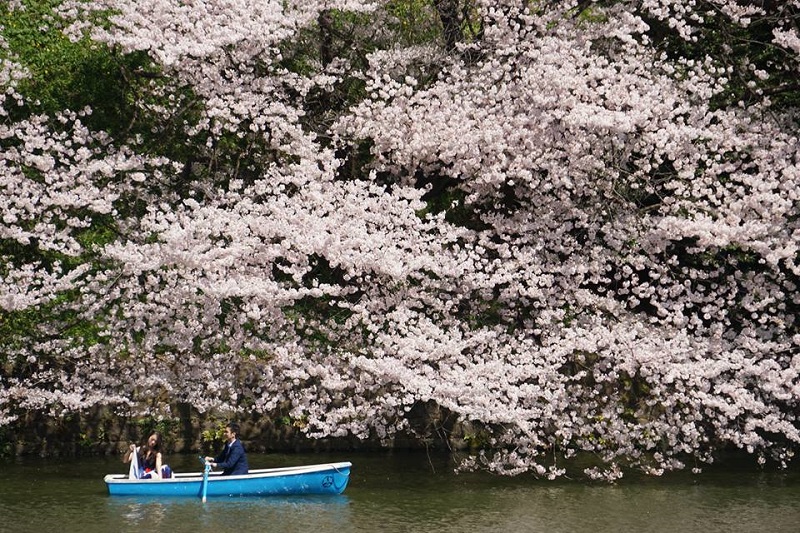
[{"x": 149, "y": 458}]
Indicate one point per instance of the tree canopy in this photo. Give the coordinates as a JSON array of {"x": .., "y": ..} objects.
[{"x": 572, "y": 225}]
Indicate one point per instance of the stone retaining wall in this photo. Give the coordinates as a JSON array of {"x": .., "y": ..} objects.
[{"x": 103, "y": 432}]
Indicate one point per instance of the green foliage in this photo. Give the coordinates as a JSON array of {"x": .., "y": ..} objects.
[
  {"x": 213, "y": 438},
  {"x": 86, "y": 442},
  {"x": 167, "y": 427},
  {"x": 67, "y": 75},
  {"x": 478, "y": 440},
  {"x": 414, "y": 21},
  {"x": 590, "y": 15},
  {"x": 102, "y": 231},
  {"x": 13, "y": 326},
  {"x": 284, "y": 420}
]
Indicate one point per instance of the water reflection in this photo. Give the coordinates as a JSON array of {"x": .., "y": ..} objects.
[{"x": 330, "y": 512}]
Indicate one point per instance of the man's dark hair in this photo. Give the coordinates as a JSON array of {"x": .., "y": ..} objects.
[{"x": 234, "y": 427}]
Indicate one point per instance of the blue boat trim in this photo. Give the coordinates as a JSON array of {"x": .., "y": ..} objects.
[{"x": 328, "y": 478}]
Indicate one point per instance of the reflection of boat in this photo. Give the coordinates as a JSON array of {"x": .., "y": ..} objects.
[{"x": 330, "y": 478}]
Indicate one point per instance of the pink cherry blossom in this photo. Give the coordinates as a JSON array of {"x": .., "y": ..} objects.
[{"x": 559, "y": 237}]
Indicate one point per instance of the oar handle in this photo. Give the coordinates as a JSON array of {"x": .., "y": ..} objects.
[{"x": 206, "y": 469}]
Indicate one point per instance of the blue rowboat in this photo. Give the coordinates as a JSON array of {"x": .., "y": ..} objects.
[{"x": 330, "y": 478}]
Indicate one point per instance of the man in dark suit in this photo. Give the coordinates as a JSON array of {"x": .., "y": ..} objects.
[{"x": 232, "y": 460}]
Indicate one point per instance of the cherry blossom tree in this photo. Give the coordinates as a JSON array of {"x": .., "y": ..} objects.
[
  {"x": 598, "y": 166},
  {"x": 564, "y": 224}
]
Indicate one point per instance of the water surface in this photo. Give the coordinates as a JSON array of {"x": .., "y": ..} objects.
[{"x": 401, "y": 492}]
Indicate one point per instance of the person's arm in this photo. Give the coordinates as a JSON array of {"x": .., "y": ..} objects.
[
  {"x": 158, "y": 463},
  {"x": 127, "y": 457},
  {"x": 234, "y": 456},
  {"x": 215, "y": 460}
]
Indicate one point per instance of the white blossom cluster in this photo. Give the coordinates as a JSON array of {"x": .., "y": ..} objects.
[{"x": 614, "y": 270}]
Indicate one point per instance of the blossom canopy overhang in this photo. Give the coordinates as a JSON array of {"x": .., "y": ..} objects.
[{"x": 573, "y": 231}]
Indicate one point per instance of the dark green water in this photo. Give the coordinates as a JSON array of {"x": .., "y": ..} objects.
[{"x": 405, "y": 492}]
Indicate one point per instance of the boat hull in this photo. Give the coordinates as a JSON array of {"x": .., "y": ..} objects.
[{"x": 331, "y": 478}]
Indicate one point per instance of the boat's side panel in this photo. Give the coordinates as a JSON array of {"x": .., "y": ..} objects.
[
  {"x": 332, "y": 480},
  {"x": 324, "y": 482},
  {"x": 155, "y": 488}
]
